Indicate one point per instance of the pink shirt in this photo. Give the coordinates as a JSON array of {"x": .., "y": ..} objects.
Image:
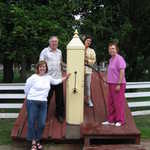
[{"x": 115, "y": 64}]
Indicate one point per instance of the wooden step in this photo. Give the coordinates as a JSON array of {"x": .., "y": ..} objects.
[{"x": 116, "y": 147}]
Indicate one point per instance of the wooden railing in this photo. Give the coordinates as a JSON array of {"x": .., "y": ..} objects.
[
  {"x": 12, "y": 98},
  {"x": 140, "y": 96}
]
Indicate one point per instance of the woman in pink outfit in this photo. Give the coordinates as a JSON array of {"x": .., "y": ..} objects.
[{"x": 116, "y": 86}]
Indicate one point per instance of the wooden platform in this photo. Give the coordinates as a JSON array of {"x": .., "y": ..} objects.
[{"x": 91, "y": 130}]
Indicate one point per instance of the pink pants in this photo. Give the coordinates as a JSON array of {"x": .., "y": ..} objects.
[{"x": 116, "y": 104}]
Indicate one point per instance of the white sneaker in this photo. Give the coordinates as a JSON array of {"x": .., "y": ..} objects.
[
  {"x": 90, "y": 103},
  {"x": 118, "y": 124},
  {"x": 107, "y": 123}
]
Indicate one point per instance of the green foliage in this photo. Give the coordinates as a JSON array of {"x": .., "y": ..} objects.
[
  {"x": 25, "y": 28},
  {"x": 127, "y": 21}
]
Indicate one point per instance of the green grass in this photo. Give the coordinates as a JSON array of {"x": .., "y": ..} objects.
[
  {"x": 9, "y": 110},
  {"x": 6, "y": 126},
  {"x": 138, "y": 99},
  {"x": 143, "y": 124},
  {"x": 140, "y": 108}
]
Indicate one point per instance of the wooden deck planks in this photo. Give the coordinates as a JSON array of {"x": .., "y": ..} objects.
[
  {"x": 92, "y": 119},
  {"x": 46, "y": 129},
  {"x": 57, "y": 130},
  {"x": 64, "y": 129},
  {"x": 95, "y": 130},
  {"x": 24, "y": 130},
  {"x": 89, "y": 115},
  {"x": 98, "y": 98},
  {"x": 19, "y": 124},
  {"x": 50, "y": 117}
]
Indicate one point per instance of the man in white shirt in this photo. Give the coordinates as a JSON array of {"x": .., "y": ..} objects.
[{"x": 53, "y": 56}]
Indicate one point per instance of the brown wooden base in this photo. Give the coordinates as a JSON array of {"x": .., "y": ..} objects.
[{"x": 91, "y": 131}]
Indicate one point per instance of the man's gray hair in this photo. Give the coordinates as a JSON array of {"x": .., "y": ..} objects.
[{"x": 52, "y": 38}]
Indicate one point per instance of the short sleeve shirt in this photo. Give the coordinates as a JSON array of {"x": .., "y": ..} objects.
[
  {"x": 53, "y": 59},
  {"x": 115, "y": 65}
]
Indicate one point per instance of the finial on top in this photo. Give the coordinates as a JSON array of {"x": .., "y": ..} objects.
[{"x": 76, "y": 34}]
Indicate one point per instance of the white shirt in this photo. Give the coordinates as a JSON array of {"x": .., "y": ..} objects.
[
  {"x": 53, "y": 59},
  {"x": 37, "y": 87}
]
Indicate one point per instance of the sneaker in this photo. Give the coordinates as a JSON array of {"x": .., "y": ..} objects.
[
  {"x": 118, "y": 124},
  {"x": 107, "y": 123},
  {"x": 90, "y": 103}
]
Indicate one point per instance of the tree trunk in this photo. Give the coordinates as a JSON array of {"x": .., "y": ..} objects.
[
  {"x": 23, "y": 69},
  {"x": 8, "y": 73},
  {"x": 28, "y": 65}
]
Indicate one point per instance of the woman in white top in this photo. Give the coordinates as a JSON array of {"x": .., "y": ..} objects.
[{"x": 36, "y": 90}]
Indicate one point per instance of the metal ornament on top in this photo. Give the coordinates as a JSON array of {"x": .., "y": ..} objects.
[{"x": 75, "y": 84}]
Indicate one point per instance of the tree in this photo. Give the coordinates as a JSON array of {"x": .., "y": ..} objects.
[
  {"x": 127, "y": 21},
  {"x": 27, "y": 26}
]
